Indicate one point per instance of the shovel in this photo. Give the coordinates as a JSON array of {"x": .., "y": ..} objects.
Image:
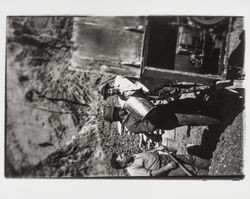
[{"x": 177, "y": 162}]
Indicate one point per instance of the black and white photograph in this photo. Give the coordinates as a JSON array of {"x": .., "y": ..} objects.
[{"x": 125, "y": 97}]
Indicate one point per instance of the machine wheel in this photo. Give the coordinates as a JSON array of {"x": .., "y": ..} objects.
[{"x": 208, "y": 21}]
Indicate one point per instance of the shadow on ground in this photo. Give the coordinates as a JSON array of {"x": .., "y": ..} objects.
[{"x": 230, "y": 104}]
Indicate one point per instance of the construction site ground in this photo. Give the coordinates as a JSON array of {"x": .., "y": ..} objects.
[{"x": 63, "y": 134}]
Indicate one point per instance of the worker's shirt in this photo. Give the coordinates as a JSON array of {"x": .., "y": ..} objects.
[
  {"x": 136, "y": 125},
  {"x": 162, "y": 117},
  {"x": 143, "y": 163},
  {"x": 127, "y": 87}
]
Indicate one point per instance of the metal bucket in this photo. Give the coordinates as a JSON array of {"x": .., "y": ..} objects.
[{"x": 139, "y": 105}]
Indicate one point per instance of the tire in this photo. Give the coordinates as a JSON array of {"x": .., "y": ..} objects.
[{"x": 208, "y": 21}]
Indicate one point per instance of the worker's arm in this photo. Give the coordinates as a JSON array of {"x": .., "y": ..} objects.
[
  {"x": 160, "y": 148},
  {"x": 162, "y": 170},
  {"x": 136, "y": 126},
  {"x": 141, "y": 171}
]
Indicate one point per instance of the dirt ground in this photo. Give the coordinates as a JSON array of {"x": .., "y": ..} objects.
[{"x": 54, "y": 126}]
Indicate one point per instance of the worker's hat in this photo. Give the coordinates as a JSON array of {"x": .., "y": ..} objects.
[
  {"x": 109, "y": 113},
  {"x": 104, "y": 91}
]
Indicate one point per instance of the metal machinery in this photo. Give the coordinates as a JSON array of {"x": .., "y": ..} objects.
[
  {"x": 165, "y": 54},
  {"x": 187, "y": 53}
]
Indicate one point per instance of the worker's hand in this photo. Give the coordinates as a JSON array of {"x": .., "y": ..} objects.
[
  {"x": 176, "y": 93},
  {"x": 161, "y": 148},
  {"x": 171, "y": 165},
  {"x": 162, "y": 153}
]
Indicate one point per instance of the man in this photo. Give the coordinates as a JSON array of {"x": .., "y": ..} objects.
[
  {"x": 167, "y": 117},
  {"x": 142, "y": 164},
  {"x": 125, "y": 87},
  {"x": 152, "y": 164}
]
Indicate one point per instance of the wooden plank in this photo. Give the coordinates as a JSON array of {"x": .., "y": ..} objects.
[
  {"x": 227, "y": 47},
  {"x": 104, "y": 40},
  {"x": 173, "y": 75},
  {"x": 237, "y": 84},
  {"x": 145, "y": 47},
  {"x": 126, "y": 71}
]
